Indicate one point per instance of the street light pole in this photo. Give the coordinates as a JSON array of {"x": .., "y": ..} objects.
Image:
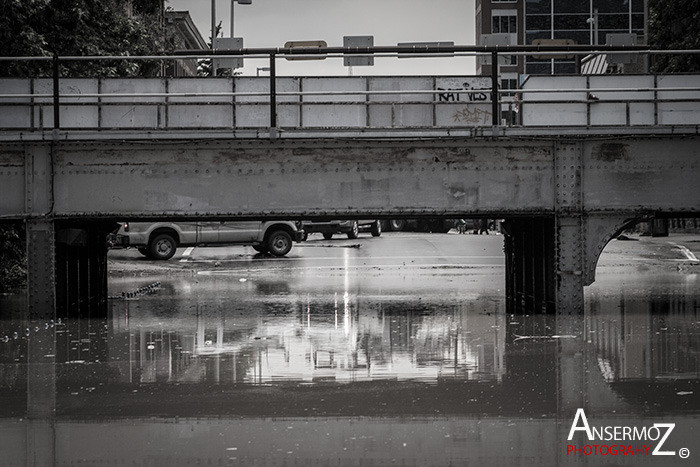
[
  {"x": 213, "y": 34},
  {"x": 241, "y": 2},
  {"x": 213, "y": 23},
  {"x": 590, "y": 22},
  {"x": 232, "y": 2}
]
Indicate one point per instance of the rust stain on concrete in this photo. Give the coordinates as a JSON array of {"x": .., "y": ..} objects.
[
  {"x": 11, "y": 159},
  {"x": 611, "y": 152}
]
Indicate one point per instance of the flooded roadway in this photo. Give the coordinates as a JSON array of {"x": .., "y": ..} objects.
[{"x": 375, "y": 351}]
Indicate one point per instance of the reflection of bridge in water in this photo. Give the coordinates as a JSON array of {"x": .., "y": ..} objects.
[
  {"x": 291, "y": 339},
  {"x": 285, "y": 357}
]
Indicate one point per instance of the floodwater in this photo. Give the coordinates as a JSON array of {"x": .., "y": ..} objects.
[{"x": 352, "y": 362}]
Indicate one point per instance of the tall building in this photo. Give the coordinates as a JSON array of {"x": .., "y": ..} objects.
[
  {"x": 501, "y": 17},
  {"x": 582, "y": 22}
]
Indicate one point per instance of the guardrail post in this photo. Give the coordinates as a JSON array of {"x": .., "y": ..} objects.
[
  {"x": 494, "y": 88},
  {"x": 273, "y": 95},
  {"x": 56, "y": 113}
]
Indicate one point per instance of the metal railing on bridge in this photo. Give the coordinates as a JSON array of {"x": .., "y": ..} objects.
[{"x": 358, "y": 102}]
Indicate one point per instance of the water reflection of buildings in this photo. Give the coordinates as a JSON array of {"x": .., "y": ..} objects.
[
  {"x": 465, "y": 343},
  {"x": 343, "y": 338},
  {"x": 652, "y": 338},
  {"x": 306, "y": 339}
]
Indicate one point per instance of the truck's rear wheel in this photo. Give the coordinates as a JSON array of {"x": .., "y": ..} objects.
[
  {"x": 354, "y": 230},
  {"x": 162, "y": 247},
  {"x": 279, "y": 243},
  {"x": 397, "y": 225},
  {"x": 376, "y": 229}
]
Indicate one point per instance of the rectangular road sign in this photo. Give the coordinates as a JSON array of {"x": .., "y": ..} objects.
[
  {"x": 305, "y": 45},
  {"x": 358, "y": 41}
]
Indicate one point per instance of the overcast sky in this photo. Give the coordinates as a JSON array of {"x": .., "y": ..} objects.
[{"x": 271, "y": 23}]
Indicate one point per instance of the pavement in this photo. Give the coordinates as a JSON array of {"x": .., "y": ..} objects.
[{"x": 679, "y": 252}]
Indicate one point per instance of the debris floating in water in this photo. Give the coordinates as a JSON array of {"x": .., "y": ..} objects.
[
  {"x": 151, "y": 288},
  {"x": 555, "y": 336}
]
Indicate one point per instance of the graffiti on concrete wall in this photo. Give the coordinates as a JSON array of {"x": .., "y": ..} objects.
[
  {"x": 464, "y": 94},
  {"x": 475, "y": 116},
  {"x": 463, "y": 100},
  {"x": 466, "y": 89}
]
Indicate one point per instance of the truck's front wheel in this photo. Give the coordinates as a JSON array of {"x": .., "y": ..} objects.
[
  {"x": 279, "y": 243},
  {"x": 162, "y": 247}
]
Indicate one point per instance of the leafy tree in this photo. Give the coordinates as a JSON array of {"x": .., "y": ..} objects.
[
  {"x": 81, "y": 28},
  {"x": 13, "y": 262},
  {"x": 673, "y": 25}
]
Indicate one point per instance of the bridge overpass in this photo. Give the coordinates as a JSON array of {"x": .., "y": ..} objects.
[{"x": 577, "y": 160}]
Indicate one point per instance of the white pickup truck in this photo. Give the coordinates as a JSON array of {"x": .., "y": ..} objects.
[{"x": 159, "y": 240}]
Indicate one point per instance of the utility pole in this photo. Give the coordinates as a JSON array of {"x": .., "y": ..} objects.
[{"x": 213, "y": 34}]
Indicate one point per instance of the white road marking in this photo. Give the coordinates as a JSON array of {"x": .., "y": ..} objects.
[
  {"x": 342, "y": 268},
  {"x": 688, "y": 254},
  {"x": 357, "y": 258},
  {"x": 186, "y": 254}
]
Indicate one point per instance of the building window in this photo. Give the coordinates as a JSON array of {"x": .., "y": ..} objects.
[
  {"x": 570, "y": 20},
  {"x": 504, "y": 24},
  {"x": 509, "y": 83},
  {"x": 538, "y": 6}
]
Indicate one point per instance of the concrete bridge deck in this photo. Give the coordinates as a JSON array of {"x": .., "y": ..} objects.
[{"x": 364, "y": 103}]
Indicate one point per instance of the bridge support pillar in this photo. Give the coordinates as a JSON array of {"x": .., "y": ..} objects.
[
  {"x": 569, "y": 261},
  {"x": 579, "y": 242},
  {"x": 41, "y": 271},
  {"x": 568, "y": 227},
  {"x": 40, "y": 232}
]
